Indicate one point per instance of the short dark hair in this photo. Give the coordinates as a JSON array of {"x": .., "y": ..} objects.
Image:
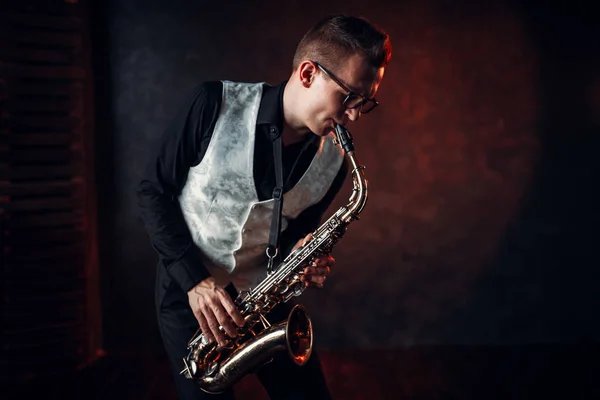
[{"x": 334, "y": 39}]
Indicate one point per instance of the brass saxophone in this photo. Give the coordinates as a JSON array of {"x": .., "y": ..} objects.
[{"x": 217, "y": 368}]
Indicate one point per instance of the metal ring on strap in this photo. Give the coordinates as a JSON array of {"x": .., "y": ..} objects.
[{"x": 269, "y": 255}]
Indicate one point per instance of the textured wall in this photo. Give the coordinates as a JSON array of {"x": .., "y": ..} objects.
[{"x": 479, "y": 224}]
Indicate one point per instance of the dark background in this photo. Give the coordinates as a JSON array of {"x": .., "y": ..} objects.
[
  {"x": 472, "y": 272},
  {"x": 481, "y": 225}
]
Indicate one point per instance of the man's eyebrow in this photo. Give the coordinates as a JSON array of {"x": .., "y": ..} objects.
[{"x": 353, "y": 89}]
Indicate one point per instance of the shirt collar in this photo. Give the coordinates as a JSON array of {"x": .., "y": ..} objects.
[
  {"x": 271, "y": 110},
  {"x": 271, "y": 106}
]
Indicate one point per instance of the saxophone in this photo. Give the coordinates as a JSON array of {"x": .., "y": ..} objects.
[{"x": 217, "y": 368}]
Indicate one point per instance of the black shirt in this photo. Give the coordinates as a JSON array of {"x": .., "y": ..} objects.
[{"x": 183, "y": 146}]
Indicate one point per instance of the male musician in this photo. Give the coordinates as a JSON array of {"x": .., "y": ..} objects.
[{"x": 207, "y": 194}]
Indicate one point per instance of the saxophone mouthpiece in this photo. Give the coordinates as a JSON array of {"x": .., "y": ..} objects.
[{"x": 344, "y": 138}]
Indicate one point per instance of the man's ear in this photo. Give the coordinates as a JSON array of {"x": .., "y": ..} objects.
[{"x": 306, "y": 71}]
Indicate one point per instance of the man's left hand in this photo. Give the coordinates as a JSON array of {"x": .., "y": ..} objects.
[{"x": 315, "y": 274}]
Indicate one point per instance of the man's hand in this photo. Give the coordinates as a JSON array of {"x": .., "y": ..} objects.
[
  {"x": 316, "y": 273},
  {"x": 212, "y": 306}
]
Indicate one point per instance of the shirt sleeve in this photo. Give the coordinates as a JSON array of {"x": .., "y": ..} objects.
[
  {"x": 308, "y": 221},
  {"x": 182, "y": 146}
]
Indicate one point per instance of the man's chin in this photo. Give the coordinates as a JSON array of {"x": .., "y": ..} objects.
[
  {"x": 330, "y": 128},
  {"x": 325, "y": 129}
]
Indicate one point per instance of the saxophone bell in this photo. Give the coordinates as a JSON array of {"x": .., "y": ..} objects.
[{"x": 294, "y": 335}]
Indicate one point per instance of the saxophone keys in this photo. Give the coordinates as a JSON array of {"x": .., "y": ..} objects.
[
  {"x": 283, "y": 289},
  {"x": 298, "y": 288},
  {"x": 212, "y": 369},
  {"x": 249, "y": 307},
  {"x": 187, "y": 371},
  {"x": 265, "y": 322}
]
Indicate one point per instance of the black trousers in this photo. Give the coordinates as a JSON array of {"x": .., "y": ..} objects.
[{"x": 281, "y": 378}]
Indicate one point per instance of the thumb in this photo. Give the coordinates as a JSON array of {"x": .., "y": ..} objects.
[{"x": 303, "y": 241}]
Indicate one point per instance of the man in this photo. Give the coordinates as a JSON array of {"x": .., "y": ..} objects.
[{"x": 207, "y": 195}]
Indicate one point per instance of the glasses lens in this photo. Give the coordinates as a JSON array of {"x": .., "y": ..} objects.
[
  {"x": 368, "y": 106},
  {"x": 353, "y": 101},
  {"x": 357, "y": 101}
]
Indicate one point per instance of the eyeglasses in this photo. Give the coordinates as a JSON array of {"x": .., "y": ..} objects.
[{"x": 352, "y": 100}]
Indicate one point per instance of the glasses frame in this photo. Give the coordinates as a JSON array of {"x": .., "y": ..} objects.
[{"x": 365, "y": 100}]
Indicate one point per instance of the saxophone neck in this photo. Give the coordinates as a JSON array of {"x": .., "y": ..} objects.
[{"x": 358, "y": 199}]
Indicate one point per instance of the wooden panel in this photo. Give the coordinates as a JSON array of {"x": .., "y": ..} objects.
[
  {"x": 18, "y": 70},
  {"x": 54, "y": 22},
  {"x": 43, "y": 204},
  {"x": 47, "y": 88},
  {"x": 68, "y": 313},
  {"x": 29, "y": 220},
  {"x": 48, "y": 288},
  {"x": 57, "y": 268},
  {"x": 39, "y": 139},
  {"x": 13, "y": 52},
  {"x": 37, "y": 172},
  {"x": 13, "y": 254},
  {"x": 40, "y": 105},
  {"x": 40, "y": 155},
  {"x": 47, "y": 208},
  {"x": 41, "y": 188},
  {"x": 40, "y": 38},
  {"x": 43, "y": 333},
  {"x": 40, "y": 122},
  {"x": 48, "y": 9}
]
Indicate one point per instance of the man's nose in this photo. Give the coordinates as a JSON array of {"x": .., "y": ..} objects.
[{"x": 353, "y": 114}]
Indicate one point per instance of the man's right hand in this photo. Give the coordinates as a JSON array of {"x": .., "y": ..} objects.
[{"x": 212, "y": 306}]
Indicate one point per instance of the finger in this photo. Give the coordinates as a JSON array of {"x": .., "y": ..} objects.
[
  {"x": 317, "y": 271},
  {"x": 307, "y": 273},
  {"x": 314, "y": 278},
  {"x": 231, "y": 309},
  {"x": 325, "y": 260},
  {"x": 317, "y": 279},
  {"x": 213, "y": 325},
  {"x": 314, "y": 285},
  {"x": 303, "y": 241},
  {"x": 307, "y": 239},
  {"x": 204, "y": 327},
  {"x": 224, "y": 319}
]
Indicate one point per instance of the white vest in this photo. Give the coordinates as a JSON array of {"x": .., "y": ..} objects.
[{"x": 219, "y": 202}]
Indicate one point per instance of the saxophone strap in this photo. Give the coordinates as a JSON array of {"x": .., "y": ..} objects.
[{"x": 273, "y": 247}]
